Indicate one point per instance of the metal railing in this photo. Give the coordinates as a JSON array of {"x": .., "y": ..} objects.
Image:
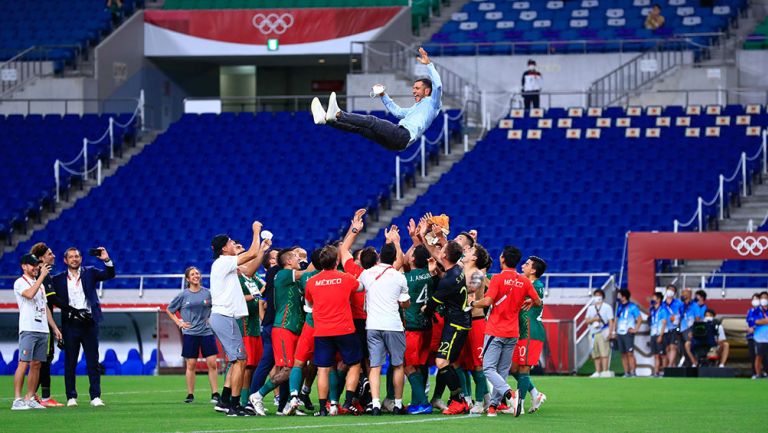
[
  {"x": 582, "y": 345},
  {"x": 741, "y": 175},
  {"x": 714, "y": 280},
  {"x": 67, "y": 105},
  {"x": 28, "y": 65},
  {"x": 639, "y": 71}
]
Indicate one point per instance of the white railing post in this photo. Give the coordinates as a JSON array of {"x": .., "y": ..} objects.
[
  {"x": 676, "y": 225},
  {"x": 111, "y": 137},
  {"x": 699, "y": 215},
  {"x": 743, "y": 174},
  {"x": 397, "y": 177},
  {"x": 466, "y": 143},
  {"x": 722, "y": 200},
  {"x": 141, "y": 110},
  {"x": 482, "y": 107},
  {"x": 98, "y": 172},
  {"x": 56, "y": 177},
  {"x": 423, "y": 156},
  {"x": 85, "y": 158},
  {"x": 765, "y": 151},
  {"x": 446, "y": 140}
]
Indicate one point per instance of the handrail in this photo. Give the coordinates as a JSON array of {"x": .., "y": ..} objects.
[
  {"x": 719, "y": 198},
  {"x": 705, "y": 279},
  {"x": 47, "y": 105},
  {"x": 20, "y": 71}
]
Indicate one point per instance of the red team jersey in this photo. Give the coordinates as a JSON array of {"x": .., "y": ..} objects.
[
  {"x": 330, "y": 293},
  {"x": 358, "y": 299},
  {"x": 508, "y": 291}
]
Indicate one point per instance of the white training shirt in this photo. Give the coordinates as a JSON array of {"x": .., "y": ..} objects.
[
  {"x": 606, "y": 313},
  {"x": 32, "y": 314},
  {"x": 226, "y": 295},
  {"x": 384, "y": 288}
]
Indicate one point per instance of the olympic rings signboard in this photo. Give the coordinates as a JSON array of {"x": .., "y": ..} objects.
[
  {"x": 233, "y": 32},
  {"x": 645, "y": 248}
]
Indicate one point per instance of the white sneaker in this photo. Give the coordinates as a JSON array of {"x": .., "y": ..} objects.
[
  {"x": 72, "y": 402},
  {"x": 333, "y": 108},
  {"x": 512, "y": 409},
  {"x": 20, "y": 404},
  {"x": 96, "y": 402},
  {"x": 388, "y": 405},
  {"x": 258, "y": 404},
  {"x": 439, "y": 404},
  {"x": 292, "y": 406},
  {"x": 486, "y": 401},
  {"x": 318, "y": 114},
  {"x": 34, "y": 404},
  {"x": 477, "y": 408},
  {"x": 334, "y": 410},
  {"x": 537, "y": 402},
  {"x": 606, "y": 373},
  {"x": 596, "y": 374}
]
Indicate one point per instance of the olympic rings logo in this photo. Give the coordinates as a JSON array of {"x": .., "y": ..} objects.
[
  {"x": 749, "y": 245},
  {"x": 272, "y": 23}
]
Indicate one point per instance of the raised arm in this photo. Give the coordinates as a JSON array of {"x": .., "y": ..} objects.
[
  {"x": 393, "y": 236},
  {"x": 253, "y": 265},
  {"x": 255, "y": 247},
  {"x": 38, "y": 284},
  {"x": 109, "y": 268},
  {"x": 355, "y": 227},
  {"x": 393, "y": 108},
  {"x": 437, "y": 83}
]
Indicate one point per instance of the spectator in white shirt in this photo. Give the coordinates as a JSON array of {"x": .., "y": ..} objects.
[{"x": 599, "y": 318}]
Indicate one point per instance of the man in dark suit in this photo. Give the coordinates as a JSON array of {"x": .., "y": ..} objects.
[{"x": 76, "y": 287}]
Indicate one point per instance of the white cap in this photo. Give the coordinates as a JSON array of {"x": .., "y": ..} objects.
[{"x": 266, "y": 234}]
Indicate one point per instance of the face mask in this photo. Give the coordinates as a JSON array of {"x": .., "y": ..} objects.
[
  {"x": 670, "y": 294},
  {"x": 531, "y": 68},
  {"x": 597, "y": 299},
  {"x": 709, "y": 319},
  {"x": 764, "y": 302},
  {"x": 755, "y": 302},
  {"x": 653, "y": 302}
]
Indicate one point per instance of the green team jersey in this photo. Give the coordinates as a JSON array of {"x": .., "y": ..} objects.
[
  {"x": 531, "y": 326},
  {"x": 250, "y": 324},
  {"x": 289, "y": 303},
  {"x": 303, "y": 287},
  {"x": 421, "y": 286}
]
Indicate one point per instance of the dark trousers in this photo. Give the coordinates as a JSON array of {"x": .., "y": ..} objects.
[
  {"x": 266, "y": 362},
  {"x": 45, "y": 369},
  {"x": 78, "y": 334},
  {"x": 531, "y": 100},
  {"x": 387, "y": 134}
]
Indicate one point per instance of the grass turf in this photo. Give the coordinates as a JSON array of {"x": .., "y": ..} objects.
[{"x": 155, "y": 404}]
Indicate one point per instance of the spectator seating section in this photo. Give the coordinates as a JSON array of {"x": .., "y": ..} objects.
[
  {"x": 111, "y": 364},
  {"x": 602, "y": 23},
  {"x": 758, "y": 40},
  {"x": 58, "y": 24},
  {"x": 30, "y": 145},
  {"x": 567, "y": 185},
  {"x": 421, "y": 10},
  {"x": 217, "y": 173}
]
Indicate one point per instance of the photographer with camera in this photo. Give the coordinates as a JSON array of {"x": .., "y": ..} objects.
[{"x": 76, "y": 287}]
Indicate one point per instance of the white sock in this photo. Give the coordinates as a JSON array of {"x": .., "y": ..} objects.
[
  {"x": 534, "y": 393},
  {"x": 399, "y": 403},
  {"x": 305, "y": 389},
  {"x": 468, "y": 399},
  {"x": 376, "y": 403},
  {"x": 258, "y": 396}
]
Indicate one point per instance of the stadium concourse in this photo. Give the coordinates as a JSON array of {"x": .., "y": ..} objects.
[{"x": 431, "y": 209}]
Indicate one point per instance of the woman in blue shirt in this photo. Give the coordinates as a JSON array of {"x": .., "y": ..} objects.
[{"x": 761, "y": 334}]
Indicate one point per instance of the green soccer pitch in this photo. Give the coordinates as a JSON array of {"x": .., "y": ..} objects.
[{"x": 155, "y": 404}]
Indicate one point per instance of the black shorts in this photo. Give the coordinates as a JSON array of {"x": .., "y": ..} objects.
[
  {"x": 625, "y": 343},
  {"x": 451, "y": 342},
  {"x": 761, "y": 349},
  {"x": 658, "y": 348},
  {"x": 671, "y": 337},
  {"x": 194, "y": 345},
  {"x": 752, "y": 349},
  {"x": 346, "y": 345}
]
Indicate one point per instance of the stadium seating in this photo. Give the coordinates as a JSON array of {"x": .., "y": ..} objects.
[
  {"x": 63, "y": 26},
  {"x": 215, "y": 173},
  {"x": 758, "y": 40},
  {"x": 601, "y": 23},
  {"x": 30, "y": 145},
  {"x": 133, "y": 365},
  {"x": 568, "y": 184}
]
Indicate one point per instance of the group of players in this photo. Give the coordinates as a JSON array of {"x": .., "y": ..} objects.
[{"x": 340, "y": 316}]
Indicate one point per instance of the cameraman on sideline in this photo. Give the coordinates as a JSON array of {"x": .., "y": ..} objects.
[{"x": 76, "y": 287}]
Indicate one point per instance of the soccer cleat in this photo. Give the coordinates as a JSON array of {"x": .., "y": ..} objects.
[
  {"x": 501, "y": 407},
  {"x": 215, "y": 397},
  {"x": 439, "y": 404},
  {"x": 420, "y": 409},
  {"x": 190, "y": 398},
  {"x": 536, "y": 403},
  {"x": 353, "y": 408},
  {"x": 72, "y": 402},
  {"x": 520, "y": 410},
  {"x": 97, "y": 402},
  {"x": 318, "y": 114},
  {"x": 477, "y": 408},
  {"x": 388, "y": 405},
  {"x": 258, "y": 404},
  {"x": 50, "y": 402},
  {"x": 333, "y": 108},
  {"x": 221, "y": 407},
  {"x": 399, "y": 411},
  {"x": 237, "y": 411},
  {"x": 20, "y": 404},
  {"x": 376, "y": 411},
  {"x": 491, "y": 410},
  {"x": 292, "y": 406},
  {"x": 513, "y": 402},
  {"x": 333, "y": 409},
  {"x": 33, "y": 404},
  {"x": 306, "y": 401},
  {"x": 276, "y": 401},
  {"x": 249, "y": 408},
  {"x": 456, "y": 408}
]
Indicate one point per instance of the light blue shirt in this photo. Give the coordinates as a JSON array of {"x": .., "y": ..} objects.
[
  {"x": 675, "y": 310},
  {"x": 761, "y": 331},
  {"x": 626, "y": 315},
  {"x": 418, "y": 117},
  {"x": 657, "y": 314}
]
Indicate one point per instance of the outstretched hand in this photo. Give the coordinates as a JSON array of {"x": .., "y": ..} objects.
[
  {"x": 424, "y": 59},
  {"x": 357, "y": 220}
]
